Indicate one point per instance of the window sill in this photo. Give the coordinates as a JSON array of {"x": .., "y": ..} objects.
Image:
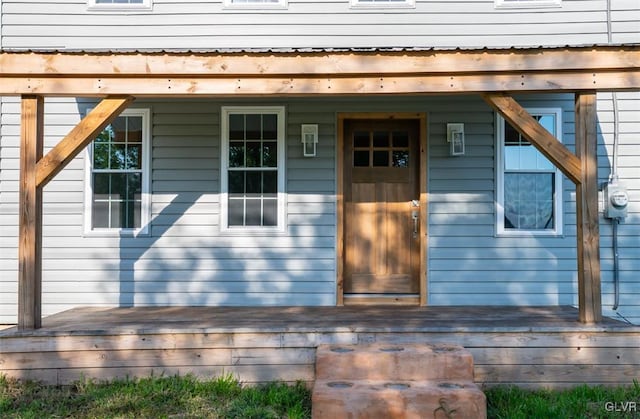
[
  {"x": 143, "y": 232},
  {"x": 529, "y": 233},
  {"x": 253, "y": 231},
  {"x": 119, "y": 8},
  {"x": 383, "y": 6}
]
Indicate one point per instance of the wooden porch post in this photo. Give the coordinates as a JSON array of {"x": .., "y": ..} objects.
[
  {"x": 581, "y": 168},
  {"x": 35, "y": 172},
  {"x": 588, "y": 235},
  {"x": 30, "y": 214}
]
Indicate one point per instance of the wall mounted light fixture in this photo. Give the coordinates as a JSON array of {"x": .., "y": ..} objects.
[
  {"x": 455, "y": 137},
  {"x": 309, "y": 139}
]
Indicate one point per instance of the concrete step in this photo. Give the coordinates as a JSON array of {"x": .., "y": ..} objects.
[
  {"x": 413, "y": 362},
  {"x": 397, "y": 399},
  {"x": 395, "y": 381}
]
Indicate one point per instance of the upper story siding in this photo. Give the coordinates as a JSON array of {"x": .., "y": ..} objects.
[{"x": 176, "y": 24}]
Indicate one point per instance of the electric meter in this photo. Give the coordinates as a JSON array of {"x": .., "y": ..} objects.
[{"x": 616, "y": 201}]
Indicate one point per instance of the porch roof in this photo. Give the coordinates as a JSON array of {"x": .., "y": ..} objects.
[
  {"x": 285, "y": 50},
  {"x": 324, "y": 71}
]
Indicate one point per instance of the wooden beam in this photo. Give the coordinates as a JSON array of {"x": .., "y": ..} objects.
[
  {"x": 321, "y": 84},
  {"x": 79, "y": 137},
  {"x": 30, "y": 215},
  {"x": 164, "y": 64},
  {"x": 588, "y": 235},
  {"x": 536, "y": 134}
]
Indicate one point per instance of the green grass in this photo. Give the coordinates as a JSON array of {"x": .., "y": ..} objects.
[
  {"x": 225, "y": 397},
  {"x": 583, "y": 402},
  {"x": 160, "y": 397}
]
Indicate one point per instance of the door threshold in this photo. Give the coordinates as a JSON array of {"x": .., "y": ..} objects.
[{"x": 380, "y": 299}]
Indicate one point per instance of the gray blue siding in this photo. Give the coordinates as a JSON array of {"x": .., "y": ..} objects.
[{"x": 186, "y": 24}]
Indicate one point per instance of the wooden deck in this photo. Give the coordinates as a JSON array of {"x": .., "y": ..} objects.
[{"x": 527, "y": 346}]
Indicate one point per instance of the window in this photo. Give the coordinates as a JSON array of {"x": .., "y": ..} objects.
[
  {"x": 256, "y": 4},
  {"x": 117, "y": 197},
  {"x": 252, "y": 179},
  {"x": 527, "y": 3},
  {"x": 529, "y": 185},
  {"x": 382, "y": 3},
  {"x": 119, "y": 5}
]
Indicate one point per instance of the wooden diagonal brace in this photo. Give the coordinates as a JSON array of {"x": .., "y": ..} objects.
[
  {"x": 79, "y": 137},
  {"x": 536, "y": 134}
]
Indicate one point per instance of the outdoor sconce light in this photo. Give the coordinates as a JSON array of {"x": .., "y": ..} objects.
[
  {"x": 309, "y": 139},
  {"x": 455, "y": 137}
]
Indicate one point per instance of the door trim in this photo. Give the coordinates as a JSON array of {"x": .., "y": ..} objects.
[{"x": 421, "y": 117}]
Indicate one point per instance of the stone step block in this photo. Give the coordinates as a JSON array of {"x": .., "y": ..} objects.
[
  {"x": 374, "y": 399},
  {"x": 413, "y": 362}
]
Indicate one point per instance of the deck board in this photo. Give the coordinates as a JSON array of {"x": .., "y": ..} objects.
[{"x": 312, "y": 319}]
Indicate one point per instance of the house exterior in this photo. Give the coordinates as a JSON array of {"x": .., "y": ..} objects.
[{"x": 295, "y": 195}]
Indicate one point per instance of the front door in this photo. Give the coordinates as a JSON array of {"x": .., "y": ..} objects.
[{"x": 381, "y": 213}]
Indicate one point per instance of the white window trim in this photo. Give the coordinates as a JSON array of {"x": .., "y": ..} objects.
[
  {"x": 145, "y": 210},
  {"x": 507, "y": 4},
  {"x": 119, "y": 7},
  {"x": 359, "y": 4},
  {"x": 281, "y": 4},
  {"x": 224, "y": 166},
  {"x": 558, "y": 194}
]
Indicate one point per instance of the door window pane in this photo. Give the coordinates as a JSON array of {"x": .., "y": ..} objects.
[{"x": 380, "y": 158}]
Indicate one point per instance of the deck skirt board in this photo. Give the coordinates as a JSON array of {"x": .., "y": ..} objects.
[{"x": 533, "y": 347}]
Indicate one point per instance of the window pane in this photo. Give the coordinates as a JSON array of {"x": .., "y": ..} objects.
[
  {"x": 400, "y": 140},
  {"x": 236, "y": 154},
  {"x": 118, "y": 153},
  {"x": 361, "y": 139},
  {"x": 118, "y": 186},
  {"x": 117, "y": 216},
  {"x": 236, "y": 183},
  {"x": 381, "y": 139},
  {"x": 254, "y": 212},
  {"x": 270, "y": 216},
  {"x": 236, "y": 127},
  {"x": 510, "y": 134},
  {"x": 269, "y": 127},
  {"x": 135, "y": 214},
  {"x": 134, "y": 153},
  {"x": 101, "y": 185},
  {"x": 254, "y": 126},
  {"x": 100, "y": 217},
  {"x": 119, "y": 126},
  {"x": 134, "y": 129},
  {"x": 270, "y": 154},
  {"x": 236, "y": 212},
  {"x": 548, "y": 121},
  {"x": 270, "y": 183},
  {"x": 361, "y": 158},
  {"x": 400, "y": 159},
  {"x": 528, "y": 201},
  {"x": 134, "y": 186},
  {"x": 380, "y": 158},
  {"x": 254, "y": 183},
  {"x": 101, "y": 155},
  {"x": 253, "y": 154}
]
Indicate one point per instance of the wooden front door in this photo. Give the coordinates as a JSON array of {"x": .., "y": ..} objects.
[{"x": 381, "y": 213}]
